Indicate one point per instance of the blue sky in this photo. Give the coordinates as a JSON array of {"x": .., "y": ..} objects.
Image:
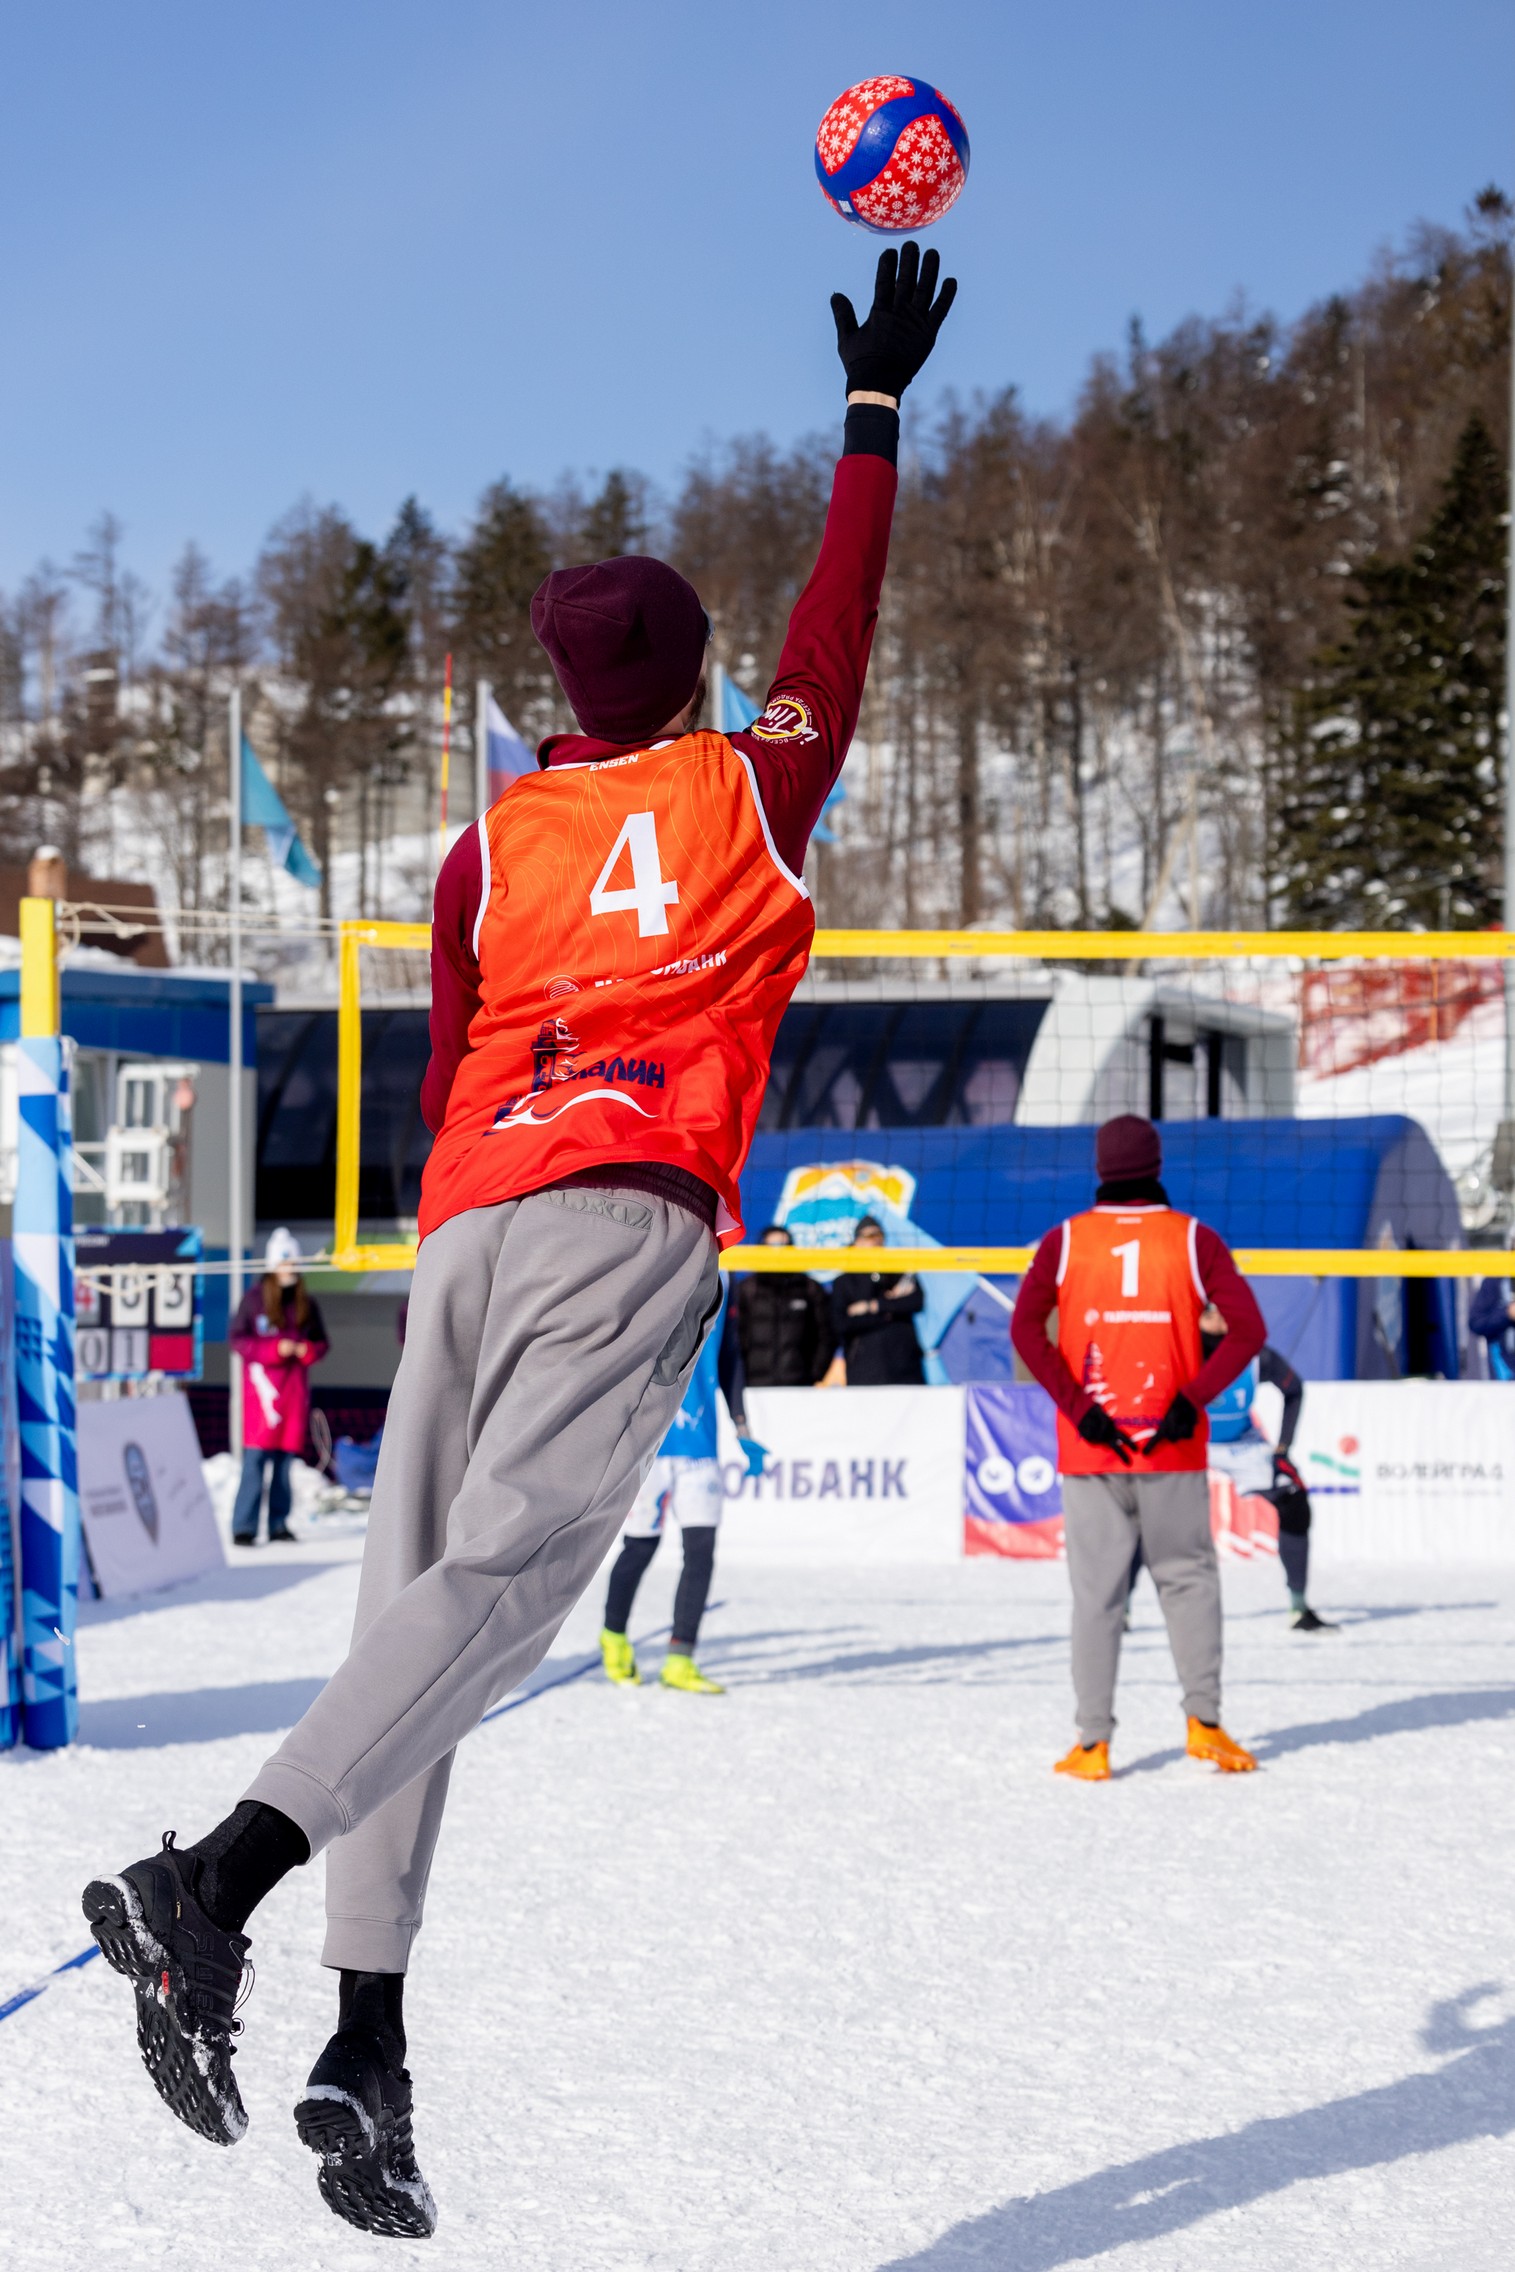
[{"x": 352, "y": 248}]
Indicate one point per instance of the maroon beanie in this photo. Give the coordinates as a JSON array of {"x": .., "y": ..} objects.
[
  {"x": 627, "y": 640},
  {"x": 1127, "y": 1149}
]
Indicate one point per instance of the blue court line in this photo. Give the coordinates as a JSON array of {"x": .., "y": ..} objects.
[
  {"x": 39, "y": 1987},
  {"x": 24, "y": 1996}
]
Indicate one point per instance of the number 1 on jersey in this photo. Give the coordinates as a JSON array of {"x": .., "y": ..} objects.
[
  {"x": 649, "y": 894},
  {"x": 1130, "y": 1267}
]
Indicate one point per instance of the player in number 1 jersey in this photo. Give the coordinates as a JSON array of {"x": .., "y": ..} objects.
[
  {"x": 613, "y": 948},
  {"x": 1129, "y": 1280}
]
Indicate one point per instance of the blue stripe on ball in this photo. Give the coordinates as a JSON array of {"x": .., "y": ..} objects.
[{"x": 874, "y": 146}]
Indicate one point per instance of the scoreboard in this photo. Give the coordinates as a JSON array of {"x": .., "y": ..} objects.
[{"x": 138, "y": 1305}]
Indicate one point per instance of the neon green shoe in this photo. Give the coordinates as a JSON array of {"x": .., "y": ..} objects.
[
  {"x": 683, "y": 1673},
  {"x": 619, "y": 1660}
]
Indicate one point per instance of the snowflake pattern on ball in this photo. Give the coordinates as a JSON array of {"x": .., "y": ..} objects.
[
  {"x": 922, "y": 181},
  {"x": 850, "y": 113}
]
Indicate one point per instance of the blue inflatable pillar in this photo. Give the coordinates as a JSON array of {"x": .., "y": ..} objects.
[{"x": 43, "y": 1252}]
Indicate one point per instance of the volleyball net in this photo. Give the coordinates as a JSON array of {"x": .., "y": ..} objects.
[{"x": 1337, "y": 1104}]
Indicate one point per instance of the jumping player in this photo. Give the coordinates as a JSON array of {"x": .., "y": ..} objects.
[
  {"x": 612, "y": 951},
  {"x": 683, "y": 1485},
  {"x": 1129, "y": 1280}
]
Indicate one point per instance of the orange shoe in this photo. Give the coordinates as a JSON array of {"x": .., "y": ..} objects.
[
  {"x": 1215, "y": 1744},
  {"x": 1089, "y": 1762}
]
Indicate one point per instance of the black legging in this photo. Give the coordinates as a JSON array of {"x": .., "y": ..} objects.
[
  {"x": 694, "y": 1583},
  {"x": 1293, "y": 1537}
]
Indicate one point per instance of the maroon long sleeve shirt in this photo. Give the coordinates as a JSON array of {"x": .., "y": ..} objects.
[
  {"x": 796, "y": 747},
  {"x": 1223, "y": 1283}
]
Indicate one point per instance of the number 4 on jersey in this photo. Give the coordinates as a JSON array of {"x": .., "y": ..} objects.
[{"x": 649, "y": 894}]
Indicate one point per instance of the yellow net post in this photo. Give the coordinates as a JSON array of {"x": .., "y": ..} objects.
[
  {"x": 347, "y": 1254},
  {"x": 39, "y": 968}
]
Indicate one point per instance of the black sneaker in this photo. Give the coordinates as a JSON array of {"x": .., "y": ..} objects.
[
  {"x": 1305, "y": 1621},
  {"x": 356, "y": 2115},
  {"x": 185, "y": 1973}
]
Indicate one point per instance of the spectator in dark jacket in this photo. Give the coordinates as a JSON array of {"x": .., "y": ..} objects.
[
  {"x": 1491, "y": 1314},
  {"x": 783, "y": 1322},
  {"x": 871, "y": 1315}
]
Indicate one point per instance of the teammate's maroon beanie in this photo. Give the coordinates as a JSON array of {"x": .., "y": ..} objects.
[
  {"x": 1127, "y": 1149},
  {"x": 627, "y": 640}
]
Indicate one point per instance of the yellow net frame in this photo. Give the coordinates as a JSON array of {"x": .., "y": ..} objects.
[{"x": 1026, "y": 946}]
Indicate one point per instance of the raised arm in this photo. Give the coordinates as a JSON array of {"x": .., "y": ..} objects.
[{"x": 798, "y": 745}]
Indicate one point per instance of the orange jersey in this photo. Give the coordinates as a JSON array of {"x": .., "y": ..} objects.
[
  {"x": 1129, "y": 1297},
  {"x": 638, "y": 943}
]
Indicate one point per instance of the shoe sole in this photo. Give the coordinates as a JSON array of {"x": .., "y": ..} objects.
[
  {"x": 355, "y": 2180},
  {"x": 173, "y": 2056},
  {"x": 1226, "y": 1766}
]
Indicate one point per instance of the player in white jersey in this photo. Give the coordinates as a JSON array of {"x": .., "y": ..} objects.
[{"x": 683, "y": 1486}]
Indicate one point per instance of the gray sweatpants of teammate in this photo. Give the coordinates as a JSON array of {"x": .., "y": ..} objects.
[
  {"x": 1103, "y": 1516},
  {"x": 548, "y": 1343}
]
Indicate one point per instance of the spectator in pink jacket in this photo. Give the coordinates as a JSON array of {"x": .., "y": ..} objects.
[{"x": 278, "y": 1334}]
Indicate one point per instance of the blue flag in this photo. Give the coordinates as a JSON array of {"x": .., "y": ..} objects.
[
  {"x": 737, "y": 713},
  {"x": 263, "y": 807}
]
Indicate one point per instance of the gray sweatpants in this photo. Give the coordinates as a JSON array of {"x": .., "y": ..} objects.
[
  {"x": 1103, "y": 1516},
  {"x": 548, "y": 1344}
]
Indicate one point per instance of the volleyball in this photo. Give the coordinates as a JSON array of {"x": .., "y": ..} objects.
[{"x": 891, "y": 155}]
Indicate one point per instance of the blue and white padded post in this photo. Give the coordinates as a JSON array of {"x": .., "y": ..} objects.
[
  {"x": 43, "y": 1251},
  {"x": 10, "y": 1649}
]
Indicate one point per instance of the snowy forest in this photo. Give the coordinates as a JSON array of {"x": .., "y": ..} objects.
[{"x": 1224, "y": 645}]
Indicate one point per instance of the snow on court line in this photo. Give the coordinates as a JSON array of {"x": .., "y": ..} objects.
[{"x": 831, "y": 1974}]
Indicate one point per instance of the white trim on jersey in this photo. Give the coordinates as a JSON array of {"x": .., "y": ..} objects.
[
  {"x": 1062, "y": 1258},
  {"x": 1199, "y": 1284},
  {"x": 484, "y": 882},
  {"x": 783, "y": 867}
]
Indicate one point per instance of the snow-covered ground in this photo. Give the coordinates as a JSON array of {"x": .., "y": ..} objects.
[{"x": 831, "y": 1972}]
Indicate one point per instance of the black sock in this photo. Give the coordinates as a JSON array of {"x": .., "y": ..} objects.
[
  {"x": 373, "y": 2000},
  {"x": 625, "y": 1577},
  {"x": 242, "y": 1859}
]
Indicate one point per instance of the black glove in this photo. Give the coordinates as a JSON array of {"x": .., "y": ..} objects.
[
  {"x": 883, "y": 355},
  {"x": 1286, "y": 1476},
  {"x": 1097, "y": 1427},
  {"x": 1177, "y": 1424}
]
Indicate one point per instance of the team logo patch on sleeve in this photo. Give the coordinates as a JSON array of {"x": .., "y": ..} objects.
[{"x": 786, "y": 719}]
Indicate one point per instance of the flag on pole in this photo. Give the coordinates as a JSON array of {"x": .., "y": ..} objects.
[
  {"x": 735, "y": 712},
  {"x": 446, "y": 759},
  {"x": 507, "y": 757},
  {"x": 263, "y": 807}
]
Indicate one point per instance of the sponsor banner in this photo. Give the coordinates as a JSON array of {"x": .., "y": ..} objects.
[
  {"x": 148, "y": 1519},
  {"x": 1012, "y": 1500},
  {"x": 1410, "y": 1470},
  {"x": 852, "y": 1475},
  {"x": 1243, "y": 1524},
  {"x": 1397, "y": 1471}
]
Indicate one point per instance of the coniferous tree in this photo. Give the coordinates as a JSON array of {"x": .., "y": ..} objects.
[
  {"x": 499, "y": 565},
  {"x": 1390, "y": 806},
  {"x": 616, "y": 521}
]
